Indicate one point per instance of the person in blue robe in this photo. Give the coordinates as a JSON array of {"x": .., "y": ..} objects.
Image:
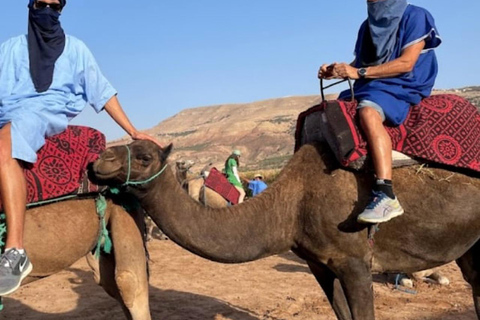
[
  {"x": 46, "y": 79},
  {"x": 257, "y": 185},
  {"x": 395, "y": 67}
]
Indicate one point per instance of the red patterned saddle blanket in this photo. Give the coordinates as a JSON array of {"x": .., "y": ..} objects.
[
  {"x": 62, "y": 165},
  {"x": 219, "y": 183},
  {"x": 443, "y": 128}
]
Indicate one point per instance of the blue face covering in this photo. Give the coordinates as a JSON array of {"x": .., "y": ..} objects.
[
  {"x": 384, "y": 18},
  {"x": 46, "y": 41}
]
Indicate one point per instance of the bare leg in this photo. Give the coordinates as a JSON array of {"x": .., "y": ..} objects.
[
  {"x": 13, "y": 190},
  {"x": 242, "y": 194},
  {"x": 380, "y": 144}
]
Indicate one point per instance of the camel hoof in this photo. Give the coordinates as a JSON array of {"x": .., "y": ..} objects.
[
  {"x": 441, "y": 280},
  {"x": 407, "y": 283}
]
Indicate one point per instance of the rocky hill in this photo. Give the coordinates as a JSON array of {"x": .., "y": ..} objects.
[{"x": 263, "y": 130}]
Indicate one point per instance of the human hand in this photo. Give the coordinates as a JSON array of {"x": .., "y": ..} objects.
[
  {"x": 143, "y": 136},
  {"x": 344, "y": 71},
  {"x": 326, "y": 71}
]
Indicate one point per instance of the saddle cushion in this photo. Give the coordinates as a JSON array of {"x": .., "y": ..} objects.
[
  {"x": 62, "y": 164},
  {"x": 219, "y": 183},
  {"x": 442, "y": 128}
]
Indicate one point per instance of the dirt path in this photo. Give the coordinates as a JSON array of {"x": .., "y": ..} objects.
[{"x": 186, "y": 287}]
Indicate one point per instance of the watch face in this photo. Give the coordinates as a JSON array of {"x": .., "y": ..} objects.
[{"x": 362, "y": 72}]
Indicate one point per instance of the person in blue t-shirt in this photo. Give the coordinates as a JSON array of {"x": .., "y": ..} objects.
[
  {"x": 46, "y": 79},
  {"x": 395, "y": 67},
  {"x": 257, "y": 185}
]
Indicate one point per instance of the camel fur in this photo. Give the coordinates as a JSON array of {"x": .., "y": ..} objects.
[
  {"x": 311, "y": 209},
  {"x": 59, "y": 234}
]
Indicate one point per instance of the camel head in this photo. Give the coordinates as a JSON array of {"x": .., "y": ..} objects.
[
  {"x": 138, "y": 161},
  {"x": 184, "y": 165}
]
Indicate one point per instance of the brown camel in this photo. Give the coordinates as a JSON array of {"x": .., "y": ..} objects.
[
  {"x": 195, "y": 186},
  {"x": 311, "y": 209},
  {"x": 58, "y": 234}
]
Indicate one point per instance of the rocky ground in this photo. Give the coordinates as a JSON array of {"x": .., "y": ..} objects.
[{"x": 186, "y": 287}]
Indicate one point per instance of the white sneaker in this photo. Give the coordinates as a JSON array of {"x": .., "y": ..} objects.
[{"x": 380, "y": 209}]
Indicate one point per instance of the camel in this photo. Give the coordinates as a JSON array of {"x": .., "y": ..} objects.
[
  {"x": 59, "y": 234},
  {"x": 196, "y": 185},
  {"x": 311, "y": 209}
]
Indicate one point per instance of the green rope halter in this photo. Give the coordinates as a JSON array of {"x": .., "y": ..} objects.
[
  {"x": 104, "y": 242},
  {"x": 136, "y": 183}
]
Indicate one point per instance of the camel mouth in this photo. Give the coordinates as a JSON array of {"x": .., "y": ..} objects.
[{"x": 103, "y": 171}]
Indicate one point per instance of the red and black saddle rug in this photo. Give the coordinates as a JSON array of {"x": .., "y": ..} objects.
[
  {"x": 443, "y": 128},
  {"x": 219, "y": 183},
  {"x": 62, "y": 164}
]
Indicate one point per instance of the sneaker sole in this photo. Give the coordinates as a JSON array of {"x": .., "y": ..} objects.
[
  {"x": 23, "y": 276},
  {"x": 381, "y": 220}
]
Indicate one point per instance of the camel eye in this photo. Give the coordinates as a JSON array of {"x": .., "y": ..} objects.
[{"x": 144, "y": 157}]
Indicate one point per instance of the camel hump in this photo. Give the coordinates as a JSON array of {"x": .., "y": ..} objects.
[{"x": 418, "y": 137}]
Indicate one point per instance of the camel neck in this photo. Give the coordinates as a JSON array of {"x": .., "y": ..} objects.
[{"x": 254, "y": 229}]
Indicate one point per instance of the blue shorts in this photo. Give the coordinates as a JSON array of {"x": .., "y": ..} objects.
[{"x": 374, "y": 105}]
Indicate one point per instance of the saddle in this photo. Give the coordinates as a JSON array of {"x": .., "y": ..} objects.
[
  {"x": 443, "y": 129},
  {"x": 219, "y": 183},
  {"x": 61, "y": 168}
]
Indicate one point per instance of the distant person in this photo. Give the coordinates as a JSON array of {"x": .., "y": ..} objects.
[
  {"x": 257, "y": 185},
  {"x": 231, "y": 170},
  {"x": 46, "y": 79},
  {"x": 395, "y": 67}
]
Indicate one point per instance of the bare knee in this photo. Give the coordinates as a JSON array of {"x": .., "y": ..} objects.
[
  {"x": 369, "y": 118},
  {"x": 127, "y": 284},
  {"x": 5, "y": 153}
]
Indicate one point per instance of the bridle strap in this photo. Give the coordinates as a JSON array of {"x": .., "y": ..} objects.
[{"x": 136, "y": 183}]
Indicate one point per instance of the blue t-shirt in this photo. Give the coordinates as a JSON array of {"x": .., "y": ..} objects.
[
  {"x": 395, "y": 95},
  {"x": 256, "y": 186},
  {"x": 77, "y": 81}
]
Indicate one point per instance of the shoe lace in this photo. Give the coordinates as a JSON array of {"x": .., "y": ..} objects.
[{"x": 375, "y": 198}]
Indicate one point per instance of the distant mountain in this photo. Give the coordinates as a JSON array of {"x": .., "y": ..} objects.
[{"x": 263, "y": 131}]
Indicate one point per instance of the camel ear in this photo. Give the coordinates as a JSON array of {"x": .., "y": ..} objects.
[{"x": 165, "y": 152}]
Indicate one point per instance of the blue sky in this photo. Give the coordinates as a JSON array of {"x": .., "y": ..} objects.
[{"x": 166, "y": 56}]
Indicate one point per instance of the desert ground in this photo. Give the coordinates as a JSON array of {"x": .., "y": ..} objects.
[{"x": 187, "y": 287}]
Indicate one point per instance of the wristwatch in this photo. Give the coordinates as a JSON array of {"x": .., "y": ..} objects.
[{"x": 362, "y": 72}]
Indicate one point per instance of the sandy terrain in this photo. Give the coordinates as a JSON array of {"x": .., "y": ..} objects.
[{"x": 185, "y": 287}]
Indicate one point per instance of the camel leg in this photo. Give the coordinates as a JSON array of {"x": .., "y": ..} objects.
[
  {"x": 106, "y": 278},
  {"x": 332, "y": 288},
  {"x": 469, "y": 263},
  {"x": 356, "y": 279},
  {"x": 130, "y": 262}
]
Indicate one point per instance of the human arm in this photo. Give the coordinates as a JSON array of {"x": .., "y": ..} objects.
[
  {"x": 115, "y": 110},
  {"x": 403, "y": 64},
  {"x": 99, "y": 93},
  {"x": 235, "y": 173}
]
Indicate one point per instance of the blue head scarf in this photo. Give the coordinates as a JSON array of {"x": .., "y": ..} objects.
[
  {"x": 384, "y": 18},
  {"x": 46, "y": 42}
]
